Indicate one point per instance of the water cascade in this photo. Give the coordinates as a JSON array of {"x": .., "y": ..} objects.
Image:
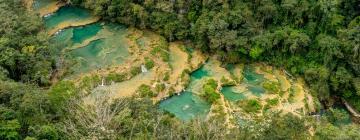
[
  {"x": 102, "y": 82},
  {"x": 143, "y": 69}
]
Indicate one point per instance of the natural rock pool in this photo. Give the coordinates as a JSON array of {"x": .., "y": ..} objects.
[
  {"x": 186, "y": 106},
  {"x": 97, "y": 45}
]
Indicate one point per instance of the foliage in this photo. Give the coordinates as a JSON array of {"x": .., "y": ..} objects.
[
  {"x": 145, "y": 91},
  {"x": 331, "y": 132},
  {"x": 315, "y": 39},
  {"x": 161, "y": 49},
  {"x": 149, "y": 63},
  {"x": 160, "y": 87},
  {"x": 210, "y": 93},
  {"x": 227, "y": 82},
  {"x": 251, "y": 105},
  {"x": 24, "y": 52},
  {"x": 337, "y": 116},
  {"x": 271, "y": 87},
  {"x": 273, "y": 102},
  {"x": 135, "y": 71},
  {"x": 115, "y": 77}
]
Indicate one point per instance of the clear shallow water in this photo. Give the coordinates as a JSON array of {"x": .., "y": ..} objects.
[
  {"x": 189, "y": 105},
  {"x": 186, "y": 106},
  {"x": 251, "y": 77},
  {"x": 200, "y": 73},
  {"x": 86, "y": 56},
  {"x": 85, "y": 32},
  {"x": 256, "y": 90},
  {"x": 66, "y": 14},
  {"x": 70, "y": 36},
  {"x": 232, "y": 95},
  {"x": 63, "y": 39},
  {"x": 111, "y": 49},
  {"x": 252, "y": 83},
  {"x": 100, "y": 44}
]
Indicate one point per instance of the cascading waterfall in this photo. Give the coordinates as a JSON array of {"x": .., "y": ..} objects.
[{"x": 143, "y": 69}]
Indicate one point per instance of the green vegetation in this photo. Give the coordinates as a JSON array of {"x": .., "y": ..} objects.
[
  {"x": 316, "y": 39},
  {"x": 149, "y": 63},
  {"x": 24, "y": 52},
  {"x": 337, "y": 116},
  {"x": 166, "y": 76},
  {"x": 251, "y": 105},
  {"x": 210, "y": 93},
  {"x": 161, "y": 49},
  {"x": 227, "y": 82},
  {"x": 145, "y": 91},
  {"x": 115, "y": 77},
  {"x": 160, "y": 87},
  {"x": 135, "y": 70},
  {"x": 273, "y": 102},
  {"x": 271, "y": 87}
]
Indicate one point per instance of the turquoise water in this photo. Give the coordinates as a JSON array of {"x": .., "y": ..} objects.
[
  {"x": 68, "y": 37},
  {"x": 186, "y": 106},
  {"x": 66, "y": 13},
  {"x": 252, "y": 82},
  {"x": 111, "y": 49},
  {"x": 85, "y": 32},
  {"x": 200, "y": 73},
  {"x": 256, "y": 90},
  {"x": 86, "y": 56},
  {"x": 63, "y": 39},
  {"x": 102, "y": 53},
  {"x": 251, "y": 77},
  {"x": 232, "y": 95}
]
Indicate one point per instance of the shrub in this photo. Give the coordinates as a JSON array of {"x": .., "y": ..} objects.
[
  {"x": 149, "y": 63},
  {"x": 166, "y": 76},
  {"x": 251, "y": 105},
  {"x": 160, "y": 87},
  {"x": 337, "y": 116},
  {"x": 145, "y": 91},
  {"x": 272, "y": 87},
  {"x": 210, "y": 91},
  {"x": 227, "y": 82},
  {"x": 161, "y": 49},
  {"x": 273, "y": 102},
  {"x": 135, "y": 70},
  {"x": 115, "y": 77}
]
